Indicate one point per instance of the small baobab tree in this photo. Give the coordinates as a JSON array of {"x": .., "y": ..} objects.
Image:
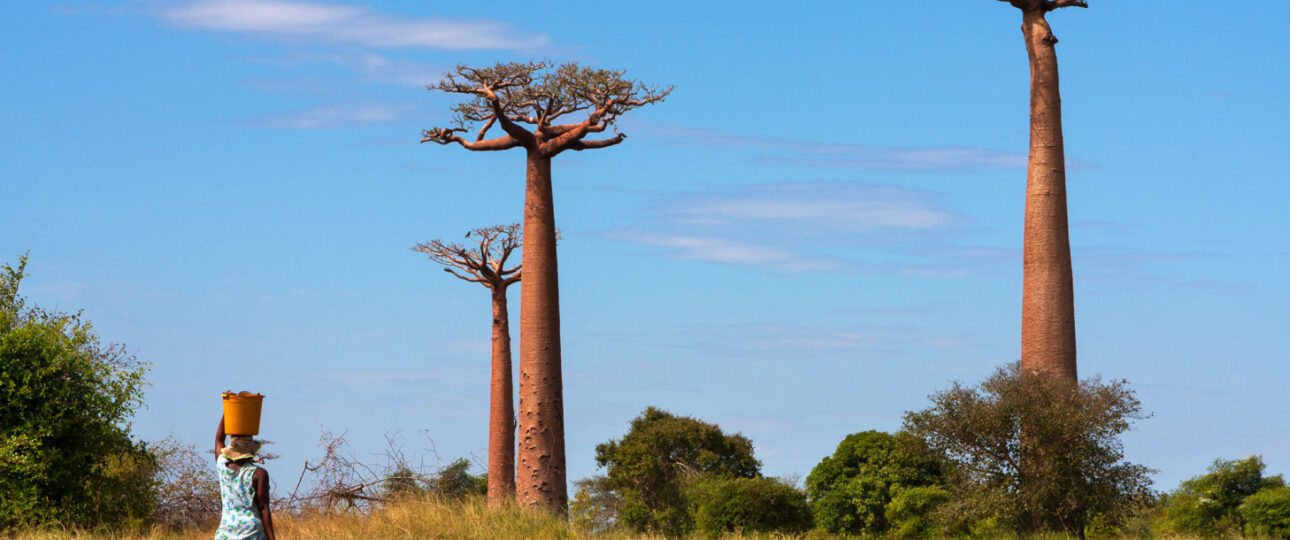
[
  {"x": 529, "y": 101},
  {"x": 1048, "y": 293},
  {"x": 486, "y": 264}
]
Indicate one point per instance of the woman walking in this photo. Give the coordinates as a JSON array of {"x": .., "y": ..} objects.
[{"x": 243, "y": 489}]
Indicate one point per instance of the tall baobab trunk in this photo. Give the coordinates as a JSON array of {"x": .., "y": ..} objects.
[
  {"x": 486, "y": 265},
  {"x": 541, "y": 471},
  {"x": 501, "y": 413},
  {"x": 1048, "y": 296}
]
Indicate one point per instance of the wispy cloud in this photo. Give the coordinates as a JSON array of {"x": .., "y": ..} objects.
[
  {"x": 358, "y": 25},
  {"x": 804, "y": 153},
  {"x": 370, "y": 68},
  {"x": 726, "y": 251},
  {"x": 839, "y": 206},
  {"x": 772, "y": 340},
  {"x": 332, "y": 117},
  {"x": 811, "y": 226}
]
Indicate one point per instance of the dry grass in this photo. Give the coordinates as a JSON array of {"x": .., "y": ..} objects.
[{"x": 418, "y": 519}]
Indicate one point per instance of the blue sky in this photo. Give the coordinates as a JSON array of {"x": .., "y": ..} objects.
[{"x": 818, "y": 228}]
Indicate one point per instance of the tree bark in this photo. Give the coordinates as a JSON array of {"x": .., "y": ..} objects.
[
  {"x": 1048, "y": 296},
  {"x": 501, "y": 414},
  {"x": 541, "y": 467}
]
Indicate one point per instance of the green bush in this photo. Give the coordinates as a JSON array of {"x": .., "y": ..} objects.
[
  {"x": 455, "y": 481},
  {"x": 1068, "y": 468},
  {"x": 66, "y": 455},
  {"x": 1267, "y": 513},
  {"x": 911, "y": 510},
  {"x": 749, "y": 505},
  {"x": 850, "y": 491},
  {"x": 648, "y": 467},
  {"x": 1209, "y": 505}
]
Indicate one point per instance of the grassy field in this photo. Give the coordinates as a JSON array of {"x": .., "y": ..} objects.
[
  {"x": 419, "y": 519},
  {"x": 423, "y": 519}
]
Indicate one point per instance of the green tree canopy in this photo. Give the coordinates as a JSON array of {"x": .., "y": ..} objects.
[
  {"x": 1266, "y": 513},
  {"x": 1042, "y": 453},
  {"x": 648, "y": 465},
  {"x": 851, "y": 490},
  {"x": 66, "y": 455},
  {"x": 1210, "y": 504},
  {"x": 719, "y": 506}
]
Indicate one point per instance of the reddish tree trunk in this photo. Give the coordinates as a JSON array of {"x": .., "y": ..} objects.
[
  {"x": 1048, "y": 296},
  {"x": 501, "y": 414},
  {"x": 541, "y": 466}
]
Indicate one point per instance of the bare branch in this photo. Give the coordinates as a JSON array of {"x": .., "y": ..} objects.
[
  {"x": 590, "y": 145},
  {"x": 1058, "y": 4},
  {"x": 474, "y": 279},
  {"x": 449, "y": 136},
  {"x": 491, "y": 120},
  {"x": 484, "y": 263}
]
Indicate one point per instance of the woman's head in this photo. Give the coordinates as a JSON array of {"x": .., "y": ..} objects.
[{"x": 241, "y": 447}]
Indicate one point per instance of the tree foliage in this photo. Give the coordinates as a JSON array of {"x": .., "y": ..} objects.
[
  {"x": 512, "y": 95},
  {"x": 1035, "y": 451},
  {"x": 648, "y": 467},
  {"x": 1266, "y": 513},
  {"x": 850, "y": 491},
  {"x": 1211, "y": 504},
  {"x": 719, "y": 505},
  {"x": 66, "y": 455}
]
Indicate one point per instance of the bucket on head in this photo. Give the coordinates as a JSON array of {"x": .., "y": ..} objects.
[{"x": 242, "y": 413}]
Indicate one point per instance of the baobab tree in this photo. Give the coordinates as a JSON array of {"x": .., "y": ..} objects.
[
  {"x": 486, "y": 264},
  {"x": 1048, "y": 294},
  {"x": 527, "y": 100}
]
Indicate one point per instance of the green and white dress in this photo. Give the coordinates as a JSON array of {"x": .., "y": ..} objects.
[{"x": 239, "y": 519}]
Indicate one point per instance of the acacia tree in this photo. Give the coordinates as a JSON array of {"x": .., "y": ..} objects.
[
  {"x": 526, "y": 100},
  {"x": 1048, "y": 294},
  {"x": 486, "y": 265}
]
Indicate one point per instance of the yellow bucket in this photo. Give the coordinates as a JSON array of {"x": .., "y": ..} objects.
[{"x": 242, "y": 413}]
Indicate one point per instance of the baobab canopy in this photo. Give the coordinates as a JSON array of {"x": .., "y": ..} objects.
[{"x": 539, "y": 94}]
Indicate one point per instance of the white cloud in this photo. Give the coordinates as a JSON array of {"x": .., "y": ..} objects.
[
  {"x": 803, "y": 153},
  {"x": 851, "y": 227},
  {"x": 332, "y": 117},
  {"x": 725, "y": 251},
  {"x": 329, "y": 23}
]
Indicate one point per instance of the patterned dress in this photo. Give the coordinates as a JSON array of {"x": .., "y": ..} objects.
[{"x": 239, "y": 519}]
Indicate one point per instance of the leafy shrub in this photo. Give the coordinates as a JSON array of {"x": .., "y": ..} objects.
[
  {"x": 1067, "y": 468},
  {"x": 1210, "y": 504},
  {"x": 66, "y": 455},
  {"x": 648, "y": 466},
  {"x": 750, "y": 505},
  {"x": 850, "y": 491},
  {"x": 1267, "y": 513},
  {"x": 911, "y": 510},
  {"x": 455, "y": 481},
  {"x": 595, "y": 506}
]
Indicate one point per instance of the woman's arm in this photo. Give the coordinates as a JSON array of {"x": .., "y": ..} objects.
[
  {"x": 219, "y": 437},
  {"x": 260, "y": 482}
]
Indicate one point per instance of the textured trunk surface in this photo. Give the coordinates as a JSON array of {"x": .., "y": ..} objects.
[
  {"x": 501, "y": 410},
  {"x": 540, "y": 475},
  {"x": 1048, "y": 296}
]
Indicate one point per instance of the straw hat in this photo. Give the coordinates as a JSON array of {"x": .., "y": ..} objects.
[{"x": 240, "y": 447}]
